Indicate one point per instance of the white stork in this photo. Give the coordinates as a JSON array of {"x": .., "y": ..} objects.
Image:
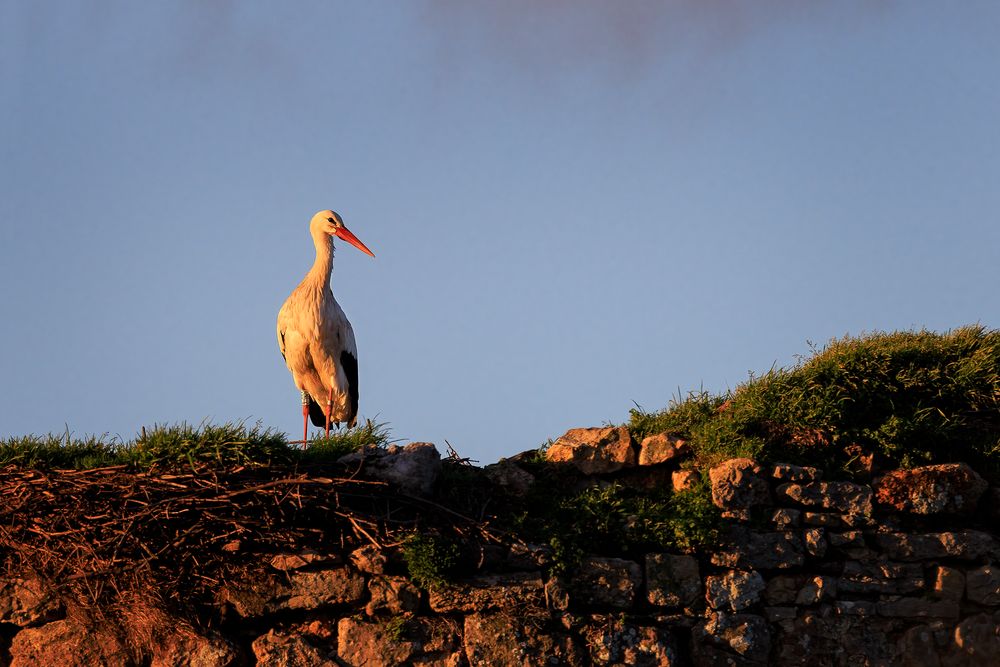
[{"x": 315, "y": 338}]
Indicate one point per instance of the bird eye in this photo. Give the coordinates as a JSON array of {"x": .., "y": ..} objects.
[{"x": 329, "y": 219}]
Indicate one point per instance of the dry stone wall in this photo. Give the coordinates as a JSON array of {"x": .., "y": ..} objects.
[{"x": 901, "y": 570}]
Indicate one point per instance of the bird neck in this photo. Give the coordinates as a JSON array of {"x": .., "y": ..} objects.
[{"x": 321, "y": 268}]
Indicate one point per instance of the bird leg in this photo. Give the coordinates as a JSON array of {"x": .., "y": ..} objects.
[
  {"x": 305, "y": 420},
  {"x": 329, "y": 410}
]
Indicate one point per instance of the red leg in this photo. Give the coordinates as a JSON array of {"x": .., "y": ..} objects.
[
  {"x": 329, "y": 411},
  {"x": 305, "y": 420}
]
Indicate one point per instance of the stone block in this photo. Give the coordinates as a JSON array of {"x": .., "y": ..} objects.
[
  {"x": 881, "y": 577},
  {"x": 739, "y": 484},
  {"x": 672, "y": 580},
  {"x": 982, "y": 585},
  {"x": 606, "y": 582},
  {"x": 733, "y": 590},
  {"x": 489, "y": 592},
  {"x": 949, "y": 488},
  {"x": 594, "y": 451},
  {"x": 841, "y": 497},
  {"x": 662, "y": 448}
]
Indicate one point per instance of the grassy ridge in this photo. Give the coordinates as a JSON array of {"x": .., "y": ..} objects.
[
  {"x": 229, "y": 444},
  {"x": 908, "y": 398}
]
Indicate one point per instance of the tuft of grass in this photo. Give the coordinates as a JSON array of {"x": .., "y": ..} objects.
[
  {"x": 910, "y": 397},
  {"x": 345, "y": 441},
  {"x": 183, "y": 445},
  {"x": 61, "y": 452},
  {"x": 229, "y": 444}
]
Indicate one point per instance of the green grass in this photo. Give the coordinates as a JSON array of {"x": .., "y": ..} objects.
[
  {"x": 910, "y": 398},
  {"x": 616, "y": 519},
  {"x": 431, "y": 559},
  {"x": 182, "y": 445}
]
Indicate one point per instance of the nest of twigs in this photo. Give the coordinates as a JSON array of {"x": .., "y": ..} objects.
[{"x": 98, "y": 537}]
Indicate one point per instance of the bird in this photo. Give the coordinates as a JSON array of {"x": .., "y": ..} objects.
[{"x": 315, "y": 337}]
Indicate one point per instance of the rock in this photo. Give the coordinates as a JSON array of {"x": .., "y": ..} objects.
[
  {"x": 502, "y": 639},
  {"x": 189, "y": 649},
  {"x": 733, "y": 590},
  {"x": 392, "y": 596},
  {"x": 917, "y": 647},
  {"x": 672, "y": 581},
  {"x": 489, "y": 592},
  {"x": 815, "y": 542},
  {"x": 965, "y": 544},
  {"x": 662, "y": 448},
  {"x": 302, "y": 590},
  {"x": 510, "y": 477},
  {"x": 854, "y": 607},
  {"x": 738, "y": 484},
  {"x": 976, "y": 642},
  {"x": 834, "y": 521},
  {"x": 684, "y": 480},
  {"x": 918, "y": 608},
  {"x": 786, "y": 472},
  {"x": 783, "y": 589},
  {"x": 413, "y": 468},
  {"x": 850, "y": 543},
  {"x": 982, "y": 585},
  {"x": 606, "y": 582},
  {"x": 816, "y": 590},
  {"x": 842, "y": 497},
  {"x": 741, "y": 640},
  {"x": 594, "y": 451},
  {"x": 949, "y": 488},
  {"x": 288, "y": 650},
  {"x": 369, "y": 559},
  {"x": 67, "y": 644},
  {"x": 785, "y": 519},
  {"x": 743, "y": 548},
  {"x": 613, "y": 642},
  {"x": 881, "y": 577},
  {"x": 26, "y": 602},
  {"x": 947, "y": 583},
  {"x": 398, "y": 641},
  {"x": 817, "y": 637}
]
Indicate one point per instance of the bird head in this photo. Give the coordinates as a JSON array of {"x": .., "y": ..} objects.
[{"x": 330, "y": 222}]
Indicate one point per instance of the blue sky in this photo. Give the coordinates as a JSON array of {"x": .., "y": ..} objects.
[{"x": 574, "y": 206}]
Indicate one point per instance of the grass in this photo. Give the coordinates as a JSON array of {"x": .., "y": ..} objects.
[
  {"x": 910, "y": 398},
  {"x": 182, "y": 445},
  {"x": 431, "y": 559},
  {"x": 616, "y": 519}
]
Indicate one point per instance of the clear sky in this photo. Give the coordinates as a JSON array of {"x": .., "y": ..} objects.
[{"x": 574, "y": 205}]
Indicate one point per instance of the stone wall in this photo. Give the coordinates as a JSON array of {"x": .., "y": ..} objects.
[{"x": 902, "y": 570}]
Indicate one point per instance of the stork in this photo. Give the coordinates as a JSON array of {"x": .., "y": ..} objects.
[{"x": 315, "y": 338}]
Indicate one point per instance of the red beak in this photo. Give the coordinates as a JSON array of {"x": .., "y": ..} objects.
[{"x": 345, "y": 233}]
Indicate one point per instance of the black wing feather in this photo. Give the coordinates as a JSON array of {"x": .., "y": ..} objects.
[
  {"x": 350, "y": 365},
  {"x": 316, "y": 414}
]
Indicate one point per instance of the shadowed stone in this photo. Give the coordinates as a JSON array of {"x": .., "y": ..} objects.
[
  {"x": 841, "y": 497},
  {"x": 610, "y": 582},
  {"x": 733, "y": 590},
  {"x": 982, "y": 585},
  {"x": 738, "y": 484},
  {"x": 672, "y": 581}
]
